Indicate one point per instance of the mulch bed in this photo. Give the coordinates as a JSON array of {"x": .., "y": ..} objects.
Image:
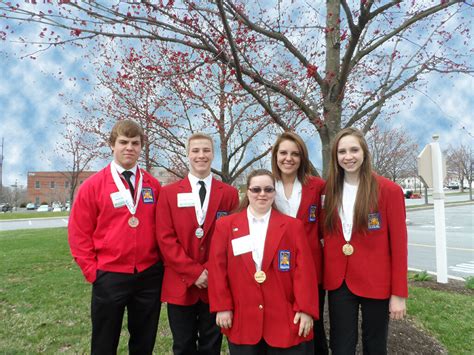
[
  {"x": 405, "y": 337},
  {"x": 452, "y": 286}
]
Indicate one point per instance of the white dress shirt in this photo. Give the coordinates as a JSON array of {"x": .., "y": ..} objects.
[
  {"x": 346, "y": 211},
  {"x": 288, "y": 206},
  {"x": 120, "y": 170},
  {"x": 195, "y": 186},
  {"x": 258, "y": 231}
]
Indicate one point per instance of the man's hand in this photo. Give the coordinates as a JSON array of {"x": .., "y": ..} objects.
[
  {"x": 201, "y": 282},
  {"x": 224, "y": 319}
]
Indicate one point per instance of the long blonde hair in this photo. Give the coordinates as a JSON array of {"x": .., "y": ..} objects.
[{"x": 367, "y": 192}]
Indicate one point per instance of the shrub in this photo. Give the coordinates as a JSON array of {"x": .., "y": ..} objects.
[
  {"x": 470, "y": 282},
  {"x": 421, "y": 276}
]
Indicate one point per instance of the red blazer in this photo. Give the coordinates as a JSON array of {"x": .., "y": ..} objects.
[
  {"x": 309, "y": 214},
  {"x": 378, "y": 267},
  {"x": 263, "y": 310},
  {"x": 184, "y": 254},
  {"x": 99, "y": 234}
]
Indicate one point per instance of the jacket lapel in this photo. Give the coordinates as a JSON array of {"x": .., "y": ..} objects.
[
  {"x": 215, "y": 198},
  {"x": 275, "y": 232},
  {"x": 306, "y": 196},
  {"x": 184, "y": 187},
  {"x": 240, "y": 228}
]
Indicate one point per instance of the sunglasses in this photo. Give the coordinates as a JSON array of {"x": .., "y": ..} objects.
[{"x": 258, "y": 189}]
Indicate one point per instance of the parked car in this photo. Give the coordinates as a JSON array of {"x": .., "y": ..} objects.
[
  {"x": 6, "y": 207},
  {"x": 43, "y": 208},
  {"x": 57, "y": 209},
  {"x": 31, "y": 206}
]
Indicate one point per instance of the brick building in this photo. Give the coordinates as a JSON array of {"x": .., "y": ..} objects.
[{"x": 51, "y": 186}]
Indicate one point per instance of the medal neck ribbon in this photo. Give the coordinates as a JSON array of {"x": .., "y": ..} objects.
[{"x": 126, "y": 194}]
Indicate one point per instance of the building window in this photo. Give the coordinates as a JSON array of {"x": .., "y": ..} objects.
[
  {"x": 37, "y": 184},
  {"x": 52, "y": 184},
  {"x": 66, "y": 184},
  {"x": 37, "y": 201}
]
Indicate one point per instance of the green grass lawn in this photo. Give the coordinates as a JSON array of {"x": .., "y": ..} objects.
[
  {"x": 44, "y": 302},
  {"x": 448, "y": 316},
  {"x": 32, "y": 214}
]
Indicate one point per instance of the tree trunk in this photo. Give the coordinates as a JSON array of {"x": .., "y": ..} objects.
[{"x": 332, "y": 99}]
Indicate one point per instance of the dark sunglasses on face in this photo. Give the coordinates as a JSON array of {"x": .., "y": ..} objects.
[{"x": 258, "y": 189}]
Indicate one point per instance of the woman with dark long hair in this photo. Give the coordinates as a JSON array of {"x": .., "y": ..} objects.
[
  {"x": 261, "y": 276},
  {"x": 298, "y": 194},
  {"x": 365, "y": 248}
]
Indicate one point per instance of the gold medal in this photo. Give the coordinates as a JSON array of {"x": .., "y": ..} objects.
[
  {"x": 133, "y": 222},
  {"x": 260, "y": 277},
  {"x": 347, "y": 249}
]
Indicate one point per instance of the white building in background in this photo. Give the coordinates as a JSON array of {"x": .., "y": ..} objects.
[{"x": 412, "y": 183}]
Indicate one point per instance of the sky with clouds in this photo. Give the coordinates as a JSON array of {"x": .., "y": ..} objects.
[{"x": 31, "y": 105}]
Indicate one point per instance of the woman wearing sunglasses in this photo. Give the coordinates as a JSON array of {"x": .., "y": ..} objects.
[
  {"x": 298, "y": 195},
  {"x": 365, "y": 248},
  {"x": 262, "y": 282}
]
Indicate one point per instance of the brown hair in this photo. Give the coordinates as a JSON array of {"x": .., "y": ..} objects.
[
  {"x": 127, "y": 128},
  {"x": 199, "y": 135},
  {"x": 259, "y": 172},
  {"x": 367, "y": 194},
  {"x": 304, "y": 168}
]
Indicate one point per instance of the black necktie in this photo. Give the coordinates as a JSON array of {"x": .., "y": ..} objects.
[
  {"x": 127, "y": 175},
  {"x": 202, "y": 192}
]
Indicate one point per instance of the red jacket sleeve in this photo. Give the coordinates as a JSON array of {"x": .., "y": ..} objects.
[
  {"x": 305, "y": 282},
  {"x": 220, "y": 297},
  {"x": 397, "y": 231},
  {"x": 81, "y": 226}
]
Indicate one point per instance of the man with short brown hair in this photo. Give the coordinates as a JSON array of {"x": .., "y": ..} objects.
[{"x": 112, "y": 238}]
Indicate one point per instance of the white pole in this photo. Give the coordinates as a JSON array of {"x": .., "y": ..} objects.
[{"x": 439, "y": 215}]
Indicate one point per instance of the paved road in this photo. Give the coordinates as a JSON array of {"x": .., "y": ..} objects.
[
  {"x": 449, "y": 197},
  {"x": 459, "y": 240},
  {"x": 52, "y": 222}
]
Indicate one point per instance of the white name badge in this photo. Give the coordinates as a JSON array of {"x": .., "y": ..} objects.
[
  {"x": 186, "y": 199},
  {"x": 242, "y": 245},
  {"x": 117, "y": 199}
]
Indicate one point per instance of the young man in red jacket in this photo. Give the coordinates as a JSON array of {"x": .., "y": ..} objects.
[
  {"x": 112, "y": 238},
  {"x": 186, "y": 215}
]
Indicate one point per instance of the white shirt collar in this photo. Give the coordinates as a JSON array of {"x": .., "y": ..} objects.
[
  {"x": 194, "y": 180},
  {"x": 264, "y": 219},
  {"x": 121, "y": 169}
]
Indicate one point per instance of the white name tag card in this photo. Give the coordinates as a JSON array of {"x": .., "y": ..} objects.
[
  {"x": 242, "y": 245},
  {"x": 117, "y": 199},
  {"x": 186, "y": 199}
]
